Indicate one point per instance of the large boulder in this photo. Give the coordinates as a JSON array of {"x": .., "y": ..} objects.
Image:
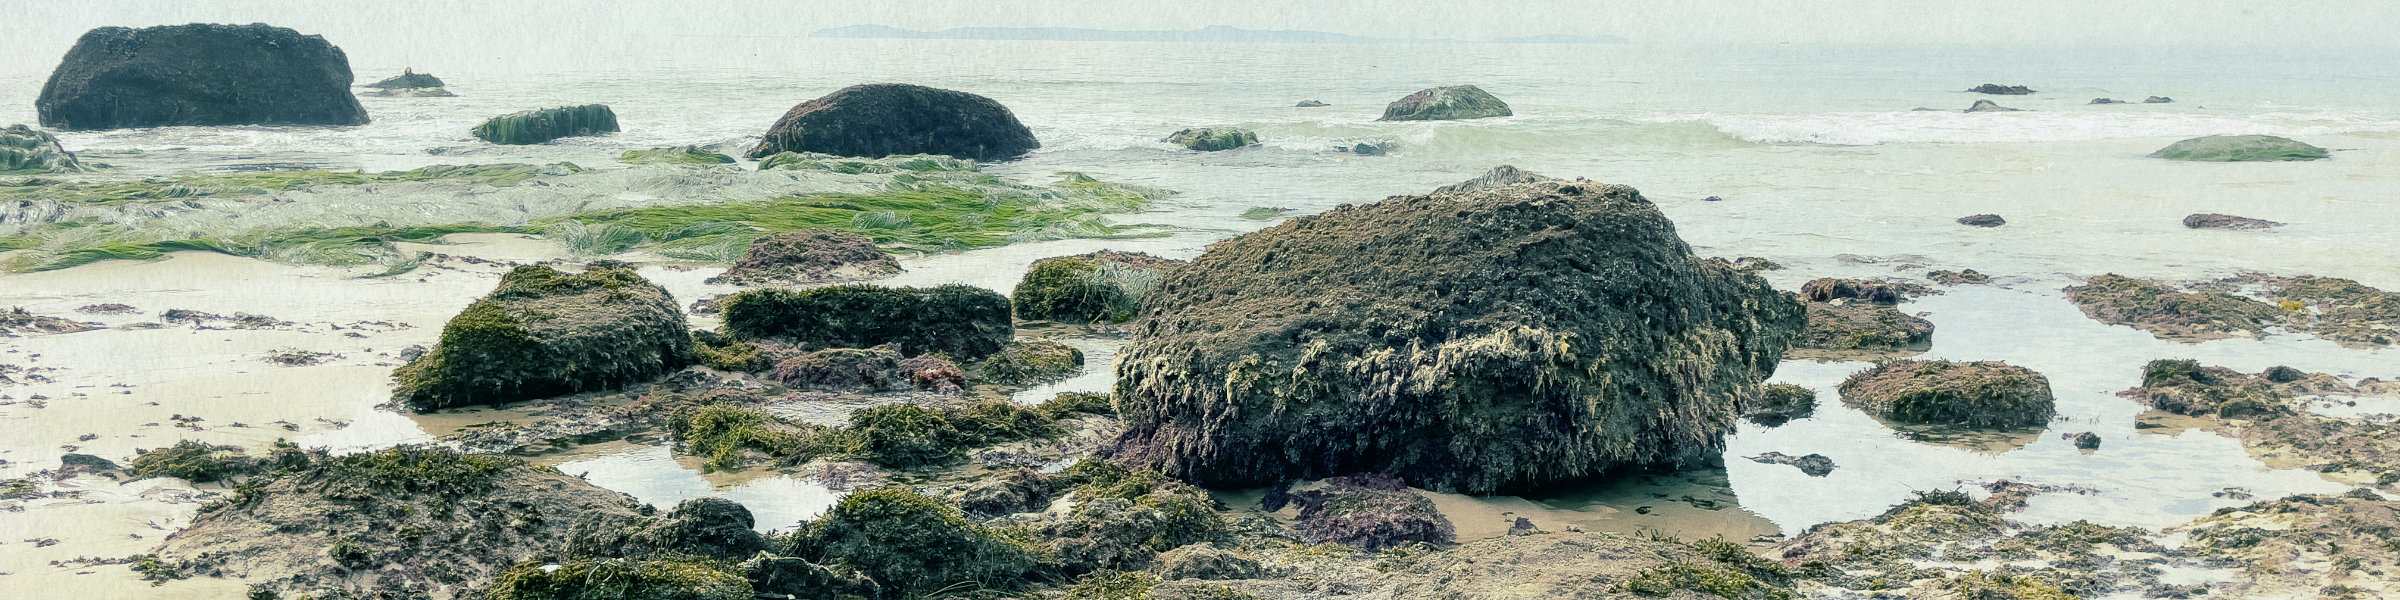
[
  {"x": 545, "y": 333},
  {"x": 1211, "y": 139},
  {"x": 882, "y": 119},
  {"x": 810, "y": 256},
  {"x": 199, "y": 74},
  {"x": 1446, "y": 103},
  {"x": 25, "y": 149},
  {"x": 2240, "y": 148},
  {"x": 537, "y": 126},
  {"x": 1101, "y": 287},
  {"x": 1474, "y": 341}
]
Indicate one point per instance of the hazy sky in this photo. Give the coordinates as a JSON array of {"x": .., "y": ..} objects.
[{"x": 41, "y": 30}]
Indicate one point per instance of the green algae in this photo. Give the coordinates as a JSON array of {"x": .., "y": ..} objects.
[
  {"x": 190, "y": 460},
  {"x": 1028, "y": 362},
  {"x": 725, "y": 434},
  {"x": 537, "y": 126},
  {"x": 192, "y": 186},
  {"x": 1100, "y": 287},
  {"x": 2240, "y": 148},
  {"x": 905, "y": 436},
  {"x": 932, "y": 219},
  {"x": 961, "y": 321},
  {"x": 619, "y": 579},
  {"x": 678, "y": 155}
]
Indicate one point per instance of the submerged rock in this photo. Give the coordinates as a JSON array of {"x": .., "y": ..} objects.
[
  {"x": 199, "y": 74},
  {"x": 1499, "y": 176},
  {"x": 2157, "y": 100},
  {"x": 679, "y": 155},
  {"x": 1310, "y": 104},
  {"x": 1982, "y": 221},
  {"x": 1446, "y": 103},
  {"x": 543, "y": 333},
  {"x": 1856, "y": 329},
  {"x": 2240, "y": 148},
  {"x": 1211, "y": 139},
  {"x": 537, "y": 126},
  {"x": 1101, "y": 287},
  {"x": 2170, "y": 314},
  {"x": 1959, "y": 277},
  {"x": 2000, "y": 90},
  {"x": 2224, "y": 221},
  {"x": 28, "y": 150},
  {"x": 2108, "y": 101},
  {"x": 809, "y": 256},
  {"x": 1990, "y": 106},
  {"x": 1366, "y": 149},
  {"x": 883, "y": 119},
  {"x": 965, "y": 322},
  {"x": 1813, "y": 465},
  {"x": 1405, "y": 337},
  {"x": 1986, "y": 394}
]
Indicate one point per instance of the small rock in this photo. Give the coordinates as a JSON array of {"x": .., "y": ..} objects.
[
  {"x": 2085, "y": 441},
  {"x": 2001, "y": 90},
  {"x": 1982, "y": 221},
  {"x": 2108, "y": 101},
  {"x": 1310, "y": 104},
  {"x": 1815, "y": 465},
  {"x": 2225, "y": 221},
  {"x": 2157, "y": 100},
  {"x": 1989, "y": 106}
]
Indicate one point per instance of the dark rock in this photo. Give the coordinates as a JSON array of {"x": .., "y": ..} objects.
[
  {"x": 1310, "y": 104},
  {"x": 537, "y": 126},
  {"x": 1982, "y": 221},
  {"x": 1366, "y": 149},
  {"x": 1370, "y": 513},
  {"x": 199, "y": 74},
  {"x": 963, "y": 321},
  {"x": 883, "y": 119},
  {"x": 809, "y": 256},
  {"x": 2224, "y": 221},
  {"x": 2108, "y": 101},
  {"x": 1781, "y": 403},
  {"x": 2085, "y": 441},
  {"x": 1211, "y": 139},
  {"x": 2240, "y": 148},
  {"x": 1989, "y": 106},
  {"x": 1340, "y": 304},
  {"x": 1713, "y": 199},
  {"x": 2157, "y": 100},
  {"x": 2001, "y": 90},
  {"x": 1101, "y": 287},
  {"x": 1446, "y": 103},
  {"x": 85, "y": 463},
  {"x": 1877, "y": 291},
  {"x": 1815, "y": 465},
  {"x": 2283, "y": 374},
  {"x": 1524, "y": 526},
  {"x": 1976, "y": 394},
  {"x": 28, "y": 150},
  {"x": 543, "y": 333},
  {"x": 1498, "y": 176}
]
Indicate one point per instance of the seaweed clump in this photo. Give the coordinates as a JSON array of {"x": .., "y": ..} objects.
[
  {"x": 2169, "y": 314},
  {"x": 961, "y": 321},
  {"x": 544, "y": 333},
  {"x": 1780, "y": 403},
  {"x": 1100, "y": 287},
  {"x": 618, "y": 579},
  {"x": 27, "y": 150},
  {"x": 1028, "y": 362},
  {"x": 1473, "y": 341},
  {"x": 537, "y": 126},
  {"x": 915, "y": 544},
  {"x": 1853, "y": 318},
  {"x": 1984, "y": 394}
]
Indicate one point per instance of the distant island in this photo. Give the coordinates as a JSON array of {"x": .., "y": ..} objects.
[{"x": 1213, "y": 33}]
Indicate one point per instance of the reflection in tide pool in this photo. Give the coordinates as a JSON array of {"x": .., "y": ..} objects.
[{"x": 651, "y": 475}]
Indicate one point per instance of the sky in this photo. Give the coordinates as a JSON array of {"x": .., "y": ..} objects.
[{"x": 41, "y": 30}]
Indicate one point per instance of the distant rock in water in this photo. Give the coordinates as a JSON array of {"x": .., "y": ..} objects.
[
  {"x": 1982, "y": 221},
  {"x": 2108, "y": 101},
  {"x": 1987, "y": 394},
  {"x": 1211, "y": 139},
  {"x": 809, "y": 256},
  {"x": 1498, "y": 176},
  {"x": 1814, "y": 465},
  {"x": 408, "y": 78},
  {"x": 1966, "y": 276},
  {"x": 2157, "y": 100},
  {"x": 1407, "y": 337},
  {"x": 543, "y": 333},
  {"x": 883, "y": 119},
  {"x": 537, "y": 126},
  {"x": 1365, "y": 149},
  {"x": 679, "y": 155},
  {"x": 199, "y": 74},
  {"x": 2001, "y": 90},
  {"x": 2223, "y": 221},
  {"x": 1446, "y": 103},
  {"x": 28, "y": 150},
  {"x": 1989, "y": 106},
  {"x": 2240, "y": 148},
  {"x": 1310, "y": 104},
  {"x": 411, "y": 93}
]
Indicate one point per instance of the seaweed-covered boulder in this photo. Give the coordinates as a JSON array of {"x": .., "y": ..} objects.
[
  {"x": 1986, "y": 394},
  {"x": 2225, "y": 221},
  {"x": 619, "y": 579},
  {"x": 2000, "y": 90},
  {"x": 1502, "y": 175},
  {"x": 905, "y": 436},
  {"x": 1028, "y": 362},
  {"x": 1369, "y": 512},
  {"x": 542, "y": 125},
  {"x": 963, "y": 321},
  {"x": 1855, "y": 329},
  {"x": 2240, "y": 148},
  {"x": 1985, "y": 220},
  {"x": 1990, "y": 106},
  {"x": 706, "y": 526},
  {"x": 1446, "y": 103},
  {"x": 1101, "y": 287},
  {"x": 678, "y": 155},
  {"x": 199, "y": 74},
  {"x": 25, "y": 149},
  {"x": 544, "y": 333},
  {"x": 1780, "y": 403},
  {"x": 1123, "y": 523},
  {"x": 882, "y": 119},
  {"x": 1211, "y": 139},
  {"x": 1474, "y": 341},
  {"x": 1959, "y": 277},
  {"x": 809, "y": 256},
  {"x": 842, "y": 369},
  {"x": 915, "y": 545}
]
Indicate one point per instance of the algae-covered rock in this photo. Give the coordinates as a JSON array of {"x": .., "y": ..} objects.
[
  {"x": 1101, "y": 287},
  {"x": 2343, "y": 310},
  {"x": 2157, "y": 100},
  {"x": 905, "y": 436},
  {"x": 1009, "y": 493},
  {"x": 28, "y": 150},
  {"x": 619, "y": 579},
  {"x": 1985, "y": 394},
  {"x": 810, "y": 256},
  {"x": 2356, "y": 533},
  {"x": 915, "y": 545},
  {"x": 1028, "y": 362},
  {"x": 2171, "y": 314},
  {"x": 843, "y": 369},
  {"x": 1206, "y": 561},
  {"x": 677, "y": 155},
  {"x": 793, "y": 577},
  {"x": 1959, "y": 277},
  {"x": 965, "y": 322},
  {"x": 2000, "y": 90},
  {"x": 537, "y": 126},
  {"x": 199, "y": 74},
  {"x": 1370, "y": 512},
  {"x": 2225, "y": 221},
  {"x": 544, "y": 333},
  {"x": 1854, "y": 329},
  {"x": 2240, "y": 148},
  {"x": 1446, "y": 103},
  {"x": 1211, "y": 139},
  {"x": 883, "y": 119},
  {"x": 1472, "y": 341},
  {"x": 1780, "y": 403},
  {"x": 1123, "y": 518},
  {"x": 1876, "y": 291},
  {"x": 408, "y": 78}
]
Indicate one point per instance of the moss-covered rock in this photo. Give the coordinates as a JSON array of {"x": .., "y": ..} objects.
[
  {"x": 915, "y": 544},
  {"x": 729, "y": 436},
  {"x": 1069, "y": 403},
  {"x": 677, "y": 155},
  {"x": 28, "y": 150},
  {"x": 1471, "y": 341},
  {"x": 1211, "y": 139},
  {"x": 1370, "y": 512},
  {"x": 1781, "y": 403},
  {"x": 2171, "y": 314},
  {"x": 537, "y": 126},
  {"x": 795, "y": 577},
  {"x": 192, "y": 461},
  {"x": 883, "y": 119},
  {"x": 809, "y": 256},
  {"x": 964, "y": 322},
  {"x": 1985, "y": 394},
  {"x": 1124, "y": 518},
  {"x": 905, "y": 435},
  {"x": 1876, "y": 291},
  {"x": 1446, "y": 103},
  {"x": 544, "y": 333},
  {"x": 1861, "y": 329},
  {"x": 2240, "y": 148},
  {"x": 199, "y": 74},
  {"x": 1028, "y": 362},
  {"x": 843, "y": 369},
  {"x": 619, "y": 579},
  {"x": 1100, "y": 287},
  {"x": 1009, "y": 493}
]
